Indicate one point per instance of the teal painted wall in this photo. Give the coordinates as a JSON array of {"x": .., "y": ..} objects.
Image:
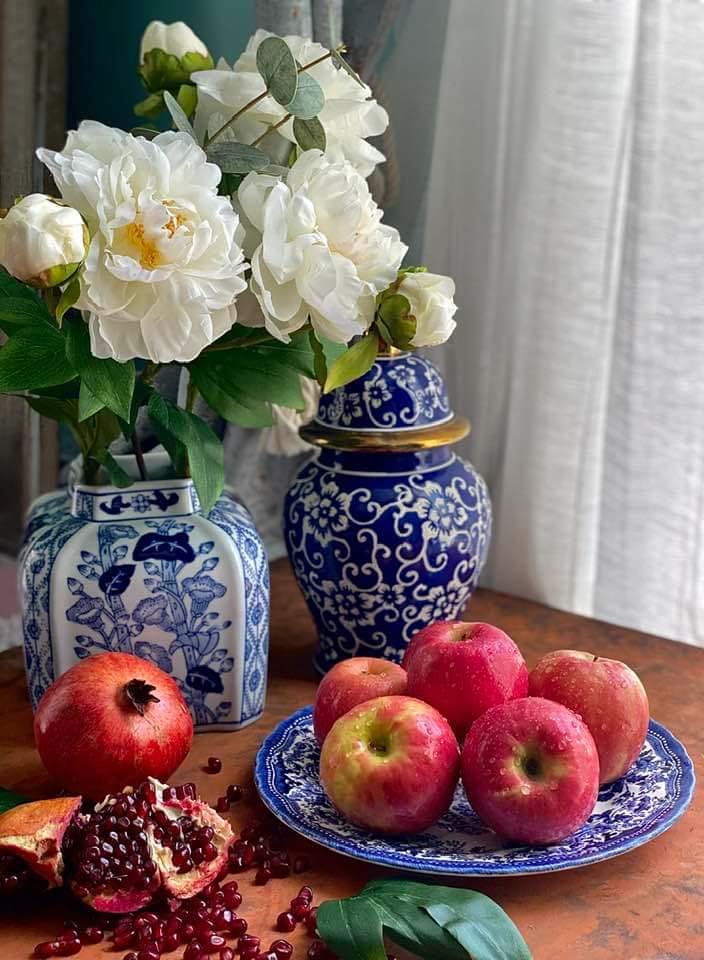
[{"x": 104, "y": 47}]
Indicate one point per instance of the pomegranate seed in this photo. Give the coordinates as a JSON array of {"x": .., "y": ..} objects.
[
  {"x": 279, "y": 868},
  {"x": 282, "y": 948},
  {"x": 192, "y": 951},
  {"x": 301, "y": 864},
  {"x": 92, "y": 935},
  {"x": 238, "y": 926},
  {"x": 223, "y": 805},
  {"x": 312, "y": 920},
  {"x": 130, "y": 956},
  {"x": 318, "y": 951},
  {"x": 251, "y": 953},
  {"x": 247, "y": 941},
  {"x": 299, "y": 908},
  {"x": 262, "y": 876},
  {"x": 213, "y": 942},
  {"x": 286, "y": 922},
  {"x": 187, "y": 932},
  {"x": 70, "y": 925},
  {"x": 305, "y": 893},
  {"x": 234, "y": 792},
  {"x": 171, "y": 942},
  {"x": 227, "y": 953},
  {"x": 124, "y": 938},
  {"x": 67, "y": 948},
  {"x": 47, "y": 949},
  {"x": 151, "y": 952},
  {"x": 214, "y": 765}
]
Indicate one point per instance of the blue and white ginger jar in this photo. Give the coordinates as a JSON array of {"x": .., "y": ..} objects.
[
  {"x": 141, "y": 570},
  {"x": 386, "y": 527}
]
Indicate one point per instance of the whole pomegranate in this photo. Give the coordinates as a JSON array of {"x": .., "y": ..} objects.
[
  {"x": 120, "y": 854},
  {"x": 112, "y": 720}
]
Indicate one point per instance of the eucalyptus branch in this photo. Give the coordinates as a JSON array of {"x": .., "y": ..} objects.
[
  {"x": 340, "y": 48},
  {"x": 139, "y": 455},
  {"x": 268, "y": 130}
]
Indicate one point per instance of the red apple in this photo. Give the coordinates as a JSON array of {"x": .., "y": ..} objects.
[
  {"x": 531, "y": 770},
  {"x": 607, "y": 695},
  {"x": 463, "y": 669},
  {"x": 351, "y": 682},
  {"x": 391, "y": 765}
]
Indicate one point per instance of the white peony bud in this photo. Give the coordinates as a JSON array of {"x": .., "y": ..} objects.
[
  {"x": 175, "y": 38},
  {"x": 431, "y": 298},
  {"x": 42, "y": 241}
]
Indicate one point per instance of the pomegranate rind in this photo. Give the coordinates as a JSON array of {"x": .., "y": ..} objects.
[{"x": 34, "y": 832}]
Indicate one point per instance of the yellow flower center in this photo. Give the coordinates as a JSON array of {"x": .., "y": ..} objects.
[{"x": 149, "y": 254}]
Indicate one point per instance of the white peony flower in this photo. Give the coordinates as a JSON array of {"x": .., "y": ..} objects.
[
  {"x": 42, "y": 241},
  {"x": 431, "y": 298},
  {"x": 349, "y": 116},
  {"x": 175, "y": 38},
  {"x": 165, "y": 263},
  {"x": 319, "y": 249}
]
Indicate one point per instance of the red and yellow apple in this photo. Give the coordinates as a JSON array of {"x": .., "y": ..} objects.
[
  {"x": 463, "y": 669},
  {"x": 351, "y": 682},
  {"x": 391, "y": 765},
  {"x": 607, "y": 695},
  {"x": 531, "y": 770}
]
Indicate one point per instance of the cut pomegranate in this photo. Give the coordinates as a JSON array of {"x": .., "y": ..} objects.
[
  {"x": 138, "y": 842},
  {"x": 33, "y": 833}
]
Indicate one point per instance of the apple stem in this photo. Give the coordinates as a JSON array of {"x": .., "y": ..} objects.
[{"x": 595, "y": 659}]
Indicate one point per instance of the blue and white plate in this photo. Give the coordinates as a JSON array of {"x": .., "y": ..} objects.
[{"x": 628, "y": 813}]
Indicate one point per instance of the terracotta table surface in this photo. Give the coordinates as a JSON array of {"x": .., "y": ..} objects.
[{"x": 644, "y": 905}]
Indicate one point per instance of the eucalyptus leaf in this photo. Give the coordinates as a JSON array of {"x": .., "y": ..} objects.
[
  {"x": 181, "y": 121},
  {"x": 68, "y": 297},
  {"x": 234, "y": 157},
  {"x": 354, "y": 362},
  {"x": 277, "y": 67},
  {"x": 309, "y": 99},
  {"x": 10, "y": 799},
  {"x": 344, "y": 65},
  {"x": 106, "y": 379},
  {"x": 309, "y": 134},
  {"x": 176, "y": 427},
  {"x": 352, "y": 929}
]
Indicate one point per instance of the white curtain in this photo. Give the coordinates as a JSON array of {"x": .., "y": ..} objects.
[{"x": 567, "y": 199}]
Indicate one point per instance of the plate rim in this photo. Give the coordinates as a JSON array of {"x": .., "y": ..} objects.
[{"x": 338, "y": 845}]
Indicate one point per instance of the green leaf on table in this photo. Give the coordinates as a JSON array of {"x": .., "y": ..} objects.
[
  {"x": 237, "y": 158},
  {"x": 181, "y": 121},
  {"x": 352, "y": 929},
  {"x": 32, "y": 359},
  {"x": 309, "y": 99},
  {"x": 309, "y": 134},
  {"x": 68, "y": 297},
  {"x": 10, "y": 799},
  {"x": 106, "y": 379},
  {"x": 277, "y": 67},
  {"x": 192, "y": 440},
  {"x": 340, "y": 61},
  {"x": 354, "y": 362}
]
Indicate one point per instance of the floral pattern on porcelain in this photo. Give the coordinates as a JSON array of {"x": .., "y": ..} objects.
[
  {"x": 629, "y": 812},
  {"x": 382, "y": 546},
  {"x": 154, "y": 578},
  {"x": 403, "y": 392}
]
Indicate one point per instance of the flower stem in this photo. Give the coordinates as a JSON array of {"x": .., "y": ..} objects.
[
  {"x": 261, "y": 96},
  {"x": 268, "y": 130},
  {"x": 191, "y": 393},
  {"x": 139, "y": 455},
  {"x": 150, "y": 371}
]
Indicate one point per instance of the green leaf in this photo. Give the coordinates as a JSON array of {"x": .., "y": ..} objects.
[
  {"x": 237, "y": 158},
  {"x": 9, "y": 799},
  {"x": 106, "y": 379},
  {"x": 150, "y": 107},
  {"x": 252, "y": 373},
  {"x": 10, "y": 287},
  {"x": 354, "y": 362},
  {"x": 54, "y": 408},
  {"x": 230, "y": 403},
  {"x": 352, "y": 929},
  {"x": 190, "y": 62},
  {"x": 176, "y": 427},
  {"x": 408, "y": 926},
  {"x": 309, "y": 134},
  {"x": 68, "y": 297},
  {"x": 181, "y": 121},
  {"x": 19, "y": 313},
  {"x": 30, "y": 360},
  {"x": 117, "y": 475},
  {"x": 309, "y": 99},
  {"x": 325, "y": 353},
  {"x": 162, "y": 71},
  {"x": 277, "y": 67},
  {"x": 344, "y": 65},
  {"x": 473, "y": 921},
  {"x": 187, "y": 97},
  {"x": 88, "y": 403}
]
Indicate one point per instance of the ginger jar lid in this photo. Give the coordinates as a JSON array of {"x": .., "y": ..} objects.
[{"x": 401, "y": 403}]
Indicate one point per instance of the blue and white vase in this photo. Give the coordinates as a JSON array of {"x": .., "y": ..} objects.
[
  {"x": 143, "y": 571},
  {"x": 386, "y": 527}
]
